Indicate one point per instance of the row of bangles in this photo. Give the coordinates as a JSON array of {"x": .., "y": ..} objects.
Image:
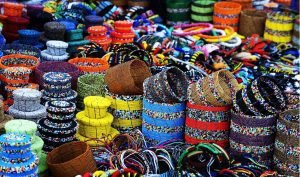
[{"x": 129, "y": 156}]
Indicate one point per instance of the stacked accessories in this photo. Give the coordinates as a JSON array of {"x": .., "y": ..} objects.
[
  {"x": 227, "y": 14},
  {"x": 93, "y": 20},
  {"x": 56, "y": 51},
  {"x": 286, "y": 157},
  {"x": 16, "y": 157},
  {"x": 97, "y": 34},
  {"x": 123, "y": 33},
  {"x": 57, "y": 87},
  {"x": 54, "y": 31},
  {"x": 95, "y": 122},
  {"x": 202, "y": 11},
  {"x": 89, "y": 85},
  {"x": 254, "y": 115},
  {"x": 27, "y": 105},
  {"x": 59, "y": 127},
  {"x": 75, "y": 40},
  {"x": 208, "y": 115},
  {"x": 90, "y": 65},
  {"x": 16, "y": 78},
  {"x": 126, "y": 110},
  {"x": 29, "y": 37},
  {"x": 178, "y": 11},
  {"x": 279, "y": 27},
  {"x": 29, "y": 128},
  {"x": 162, "y": 122}
]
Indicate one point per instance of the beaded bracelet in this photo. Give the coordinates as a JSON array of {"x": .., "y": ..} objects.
[
  {"x": 56, "y": 48},
  {"x": 62, "y": 107},
  {"x": 228, "y": 29},
  {"x": 90, "y": 65},
  {"x": 48, "y": 57},
  {"x": 191, "y": 29},
  {"x": 19, "y": 60}
]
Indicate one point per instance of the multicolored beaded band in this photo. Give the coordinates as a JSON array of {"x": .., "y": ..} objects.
[
  {"x": 14, "y": 140},
  {"x": 28, "y": 168},
  {"x": 57, "y": 78},
  {"x": 63, "y": 107},
  {"x": 285, "y": 168},
  {"x": 45, "y": 127}
]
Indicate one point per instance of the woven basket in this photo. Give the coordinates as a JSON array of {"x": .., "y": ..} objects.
[
  {"x": 71, "y": 159},
  {"x": 56, "y": 67},
  {"x": 21, "y": 49},
  {"x": 127, "y": 78},
  {"x": 252, "y": 22}
]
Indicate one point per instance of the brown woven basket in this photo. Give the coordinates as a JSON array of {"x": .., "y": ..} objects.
[
  {"x": 120, "y": 2},
  {"x": 252, "y": 22},
  {"x": 71, "y": 159},
  {"x": 127, "y": 78}
]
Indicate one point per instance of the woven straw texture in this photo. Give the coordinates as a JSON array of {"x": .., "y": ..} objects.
[{"x": 252, "y": 22}]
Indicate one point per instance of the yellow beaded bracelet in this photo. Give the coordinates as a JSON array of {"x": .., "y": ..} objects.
[
  {"x": 125, "y": 105},
  {"x": 96, "y": 106},
  {"x": 83, "y": 119}
]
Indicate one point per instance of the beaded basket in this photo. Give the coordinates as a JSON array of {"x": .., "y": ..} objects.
[{"x": 21, "y": 49}]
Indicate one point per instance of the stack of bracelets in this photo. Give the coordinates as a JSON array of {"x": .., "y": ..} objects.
[
  {"x": 57, "y": 66},
  {"x": 57, "y": 87},
  {"x": 286, "y": 157},
  {"x": 227, "y": 13},
  {"x": 97, "y": 34},
  {"x": 90, "y": 65},
  {"x": 16, "y": 78},
  {"x": 279, "y": 26},
  {"x": 202, "y": 11},
  {"x": 29, "y": 128},
  {"x": 54, "y": 31},
  {"x": 3, "y": 117},
  {"x": 162, "y": 121},
  {"x": 95, "y": 122},
  {"x": 93, "y": 20},
  {"x": 168, "y": 86},
  {"x": 296, "y": 32},
  {"x": 178, "y": 12},
  {"x": 123, "y": 33},
  {"x": 29, "y": 37},
  {"x": 16, "y": 157},
  {"x": 254, "y": 113},
  {"x": 21, "y": 49},
  {"x": 13, "y": 9},
  {"x": 259, "y": 4},
  {"x": 59, "y": 127},
  {"x": 18, "y": 60},
  {"x": 56, "y": 51},
  {"x": 126, "y": 110},
  {"x": 209, "y": 105},
  {"x": 204, "y": 158},
  {"x": 133, "y": 74},
  {"x": 89, "y": 85},
  {"x": 27, "y": 105},
  {"x": 12, "y": 26}
]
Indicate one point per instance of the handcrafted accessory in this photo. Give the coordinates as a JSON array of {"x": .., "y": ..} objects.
[
  {"x": 248, "y": 19},
  {"x": 207, "y": 124},
  {"x": 191, "y": 29},
  {"x": 69, "y": 24},
  {"x": 71, "y": 159},
  {"x": 253, "y": 135},
  {"x": 168, "y": 86},
  {"x": 56, "y": 48},
  {"x": 162, "y": 122},
  {"x": 96, "y": 106},
  {"x": 133, "y": 74},
  {"x": 74, "y": 45},
  {"x": 13, "y": 9},
  {"x": 90, "y": 65},
  {"x": 29, "y": 37},
  {"x": 59, "y": 127},
  {"x": 16, "y": 156},
  {"x": 227, "y": 13},
  {"x": 296, "y": 32},
  {"x": 202, "y": 11},
  {"x": 90, "y": 85},
  {"x": 246, "y": 4},
  {"x": 66, "y": 67},
  {"x": 219, "y": 38},
  {"x": 98, "y": 35},
  {"x": 54, "y": 31},
  {"x": 93, "y": 20},
  {"x": 127, "y": 111},
  {"x": 74, "y": 35},
  {"x": 278, "y": 27},
  {"x": 123, "y": 32},
  {"x": 286, "y": 156},
  {"x": 178, "y": 12}
]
